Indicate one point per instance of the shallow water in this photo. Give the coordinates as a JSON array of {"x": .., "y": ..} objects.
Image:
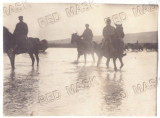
[{"x": 46, "y": 90}]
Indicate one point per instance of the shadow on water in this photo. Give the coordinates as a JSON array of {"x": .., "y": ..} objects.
[{"x": 19, "y": 92}]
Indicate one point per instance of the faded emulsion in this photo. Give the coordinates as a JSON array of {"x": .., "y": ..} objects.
[
  {"x": 20, "y": 92},
  {"x": 16, "y": 8},
  {"x": 80, "y": 85},
  {"x": 143, "y": 9},
  {"x": 72, "y": 10},
  {"x": 49, "y": 97},
  {"x": 145, "y": 86},
  {"x": 49, "y": 19},
  {"x": 119, "y": 18},
  {"x": 72, "y": 89},
  {"x": 115, "y": 92},
  {"x": 75, "y": 9},
  {"x": 115, "y": 76}
]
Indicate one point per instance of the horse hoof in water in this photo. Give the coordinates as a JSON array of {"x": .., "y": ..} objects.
[
  {"x": 115, "y": 69},
  {"x": 75, "y": 62},
  {"x": 121, "y": 66}
]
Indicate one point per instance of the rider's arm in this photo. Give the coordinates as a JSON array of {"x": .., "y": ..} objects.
[
  {"x": 91, "y": 34},
  {"x": 82, "y": 34},
  {"x": 26, "y": 29},
  {"x": 123, "y": 34},
  {"x": 15, "y": 30},
  {"x": 104, "y": 33}
]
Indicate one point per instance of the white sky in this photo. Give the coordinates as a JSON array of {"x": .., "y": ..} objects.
[{"x": 68, "y": 25}]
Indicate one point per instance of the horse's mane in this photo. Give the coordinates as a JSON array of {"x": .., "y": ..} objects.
[
  {"x": 119, "y": 31},
  {"x": 6, "y": 32},
  {"x": 78, "y": 37},
  {"x": 7, "y": 39}
]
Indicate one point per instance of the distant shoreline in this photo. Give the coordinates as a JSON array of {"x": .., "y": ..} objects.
[{"x": 67, "y": 45}]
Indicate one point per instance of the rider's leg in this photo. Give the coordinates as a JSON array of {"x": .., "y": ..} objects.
[
  {"x": 122, "y": 47},
  {"x": 103, "y": 41}
]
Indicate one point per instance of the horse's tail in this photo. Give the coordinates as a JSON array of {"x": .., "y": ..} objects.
[
  {"x": 43, "y": 45},
  {"x": 97, "y": 48},
  {"x": 95, "y": 45},
  {"x": 34, "y": 44}
]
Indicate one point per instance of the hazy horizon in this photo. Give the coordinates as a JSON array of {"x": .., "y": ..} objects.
[{"x": 68, "y": 25}]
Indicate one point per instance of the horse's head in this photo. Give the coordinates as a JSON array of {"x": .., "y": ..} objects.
[
  {"x": 74, "y": 38},
  {"x": 6, "y": 34},
  {"x": 119, "y": 30},
  {"x": 7, "y": 39}
]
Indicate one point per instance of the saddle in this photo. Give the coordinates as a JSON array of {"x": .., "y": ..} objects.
[{"x": 21, "y": 46}]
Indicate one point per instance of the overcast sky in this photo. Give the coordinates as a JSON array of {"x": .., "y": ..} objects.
[{"x": 67, "y": 25}]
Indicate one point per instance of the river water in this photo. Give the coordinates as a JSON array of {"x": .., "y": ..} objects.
[{"x": 61, "y": 87}]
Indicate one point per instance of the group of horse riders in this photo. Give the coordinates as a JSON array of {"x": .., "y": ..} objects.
[
  {"x": 21, "y": 31},
  {"x": 108, "y": 33}
]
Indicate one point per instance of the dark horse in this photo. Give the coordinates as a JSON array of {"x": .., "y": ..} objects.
[
  {"x": 112, "y": 49},
  {"x": 82, "y": 47},
  {"x": 9, "y": 47}
]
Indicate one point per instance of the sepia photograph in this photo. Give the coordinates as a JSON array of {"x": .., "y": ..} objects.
[{"x": 80, "y": 59}]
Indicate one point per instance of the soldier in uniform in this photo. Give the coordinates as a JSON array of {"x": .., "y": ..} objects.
[
  {"x": 108, "y": 33},
  {"x": 20, "y": 34},
  {"x": 87, "y": 36}
]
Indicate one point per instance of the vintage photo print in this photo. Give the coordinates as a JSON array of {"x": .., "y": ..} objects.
[{"x": 80, "y": 59}]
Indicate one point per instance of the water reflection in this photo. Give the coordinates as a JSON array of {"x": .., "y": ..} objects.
[
  {"x": 85, "y": 71},
  {"x": 108, "y": 86},
  {"x": 114, "y": 91},
  {"x": 20, "y": 92},
  {"x": 84, "y": 77}
]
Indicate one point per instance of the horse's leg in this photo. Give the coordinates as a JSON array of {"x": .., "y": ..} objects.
[
  {"x": 37, "y": 58},
  {"x": 93, "y": 56},
  {"x": 85, "y": 56},
  {"x": 78, "y": 56},
  {"x": 114, "y": 62},
  {"x": 13, "y": 60},
  {"x": 99, "y": 60},
  {"x": 11, "y": 56},
  {"x": 120, "y": 59},
  {"x": 107, "y": 63},
  {"x": 32, "y": 58}
]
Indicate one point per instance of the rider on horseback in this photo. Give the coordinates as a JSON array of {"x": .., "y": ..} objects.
[
  {"x": 20, "y": 35},
  {"x": 109, "y": 33},
  {"x": 87, "y": 36}
]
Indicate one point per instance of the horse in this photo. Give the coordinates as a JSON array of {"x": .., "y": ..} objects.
[
  {"x": 115, "y": 49},
  {"x": 9, "y": 45},
  {"x": 82, "y": 47}
]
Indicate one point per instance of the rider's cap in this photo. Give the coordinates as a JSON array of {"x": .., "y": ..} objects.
[
  {"x": 20, "y": 17},
  {"x": 87, "y": 25},
  {"x": 108, "y": 19}
]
